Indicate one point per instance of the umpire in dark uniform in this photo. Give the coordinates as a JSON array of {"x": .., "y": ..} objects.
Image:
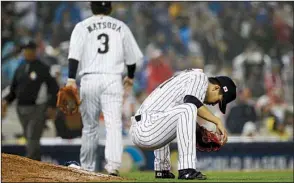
[{"x": 35, "y": 90}]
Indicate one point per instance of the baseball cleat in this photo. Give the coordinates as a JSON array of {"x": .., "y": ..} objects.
[
  {"x": 115, "y": 173},
  {"x": 190, "y": 174},
  {"x": 165, "y": 174},
  {"x": 73, "y": 164}
]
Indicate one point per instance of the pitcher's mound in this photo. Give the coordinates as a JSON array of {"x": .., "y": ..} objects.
[{"x": 20, "y": 169}]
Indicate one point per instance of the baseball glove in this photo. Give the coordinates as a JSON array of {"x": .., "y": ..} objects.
[
  {"x": 207, "y": 140},
  {"x": 68, "y": 100}
]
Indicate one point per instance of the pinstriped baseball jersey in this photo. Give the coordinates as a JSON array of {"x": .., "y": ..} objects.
[
  {"x": 165, "y": 116},
  {"x": 103, "y": 45},
  {"x": 172, "y": 91}
]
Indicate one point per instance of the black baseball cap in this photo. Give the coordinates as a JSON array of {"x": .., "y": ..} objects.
[
  {"x": 101, "y": 4},
  {"x": 229, "y": 90}
]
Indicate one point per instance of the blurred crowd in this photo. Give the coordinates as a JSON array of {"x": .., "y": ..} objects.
[{"x": 250, "y": 41}]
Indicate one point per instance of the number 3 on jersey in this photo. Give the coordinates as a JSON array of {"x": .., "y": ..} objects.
[{"x": 104, "y": 46}]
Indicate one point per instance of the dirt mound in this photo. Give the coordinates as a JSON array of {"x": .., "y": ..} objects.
[{"x": 20, "y": 169}]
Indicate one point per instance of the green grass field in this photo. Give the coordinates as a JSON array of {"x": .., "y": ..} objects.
[{"x": 262, "y": 176}]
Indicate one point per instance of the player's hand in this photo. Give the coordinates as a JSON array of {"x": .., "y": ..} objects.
[
  {"x": 225, "y": 139},
  {"x": 51, "y": 113},
  {"x": 223, "y": 131},
  {"x": 128, "y": 83},
  {"x": 71, "y": 82}
]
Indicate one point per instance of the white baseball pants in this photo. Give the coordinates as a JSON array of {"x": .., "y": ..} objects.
[
  {"x": 157, "y": 130},
  {"x": 101, "y": 92}
]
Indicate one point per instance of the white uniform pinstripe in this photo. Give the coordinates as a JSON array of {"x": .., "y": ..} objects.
[
  {"x": 165, "y": 116},
  {"x": 102, "y": 45}
]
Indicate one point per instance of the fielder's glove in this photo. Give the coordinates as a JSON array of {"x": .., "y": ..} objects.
[
  {"x": 68, "y": 100},
  {"x": 207, "y": 140}
]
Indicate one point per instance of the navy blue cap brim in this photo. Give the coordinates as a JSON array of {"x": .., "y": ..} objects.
[
  {"x": 223, "y": 103},
  {"x": 223, "y": 106}
]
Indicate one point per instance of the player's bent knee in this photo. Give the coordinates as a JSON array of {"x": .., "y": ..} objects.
[{"x": 142, "y": 142}]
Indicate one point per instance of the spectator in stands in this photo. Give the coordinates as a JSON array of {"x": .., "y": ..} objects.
[
  {"x": 273, "y": 79},
  {"x": 272, "y": 103},
  {"x": 161, "y": 19},
  {"x": 234, "y": 41},
  {"x": 276, "y": 127},
  {"x": 67, "y": 15},
  {"x": 158, "y": 70},
  {"x": 184, "y": 30},
  {"x": 84, "y": 9},
  {"x": 272, "y": 108},
  {"x": 9, "y": 66},
  {"x": 28, "y": 86},
  {"x": 249, "y": 129},
  {"x": 263, "y": 35},
  {"x": 283, "y": 23},
  {"x": 289, "y": 121},
  {"x": 212, "y": 48},
  {"x": 249, "y": 65},
  {"x": 62, "y": 31},
  {"x": 161, "y": 41},
  {"x": 40, "y": 43},
  {"x": 8, "y": 28},
  {"x": 177, "y": 46},
  {"x": 241, "y": 113},
  {"x": 287, "y": 74},
  {"x": 67, "y": 6},
  {"x": 27, "y": 13}
]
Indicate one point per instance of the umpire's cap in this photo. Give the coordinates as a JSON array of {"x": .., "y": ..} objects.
[
  {"x": 229, "y": 90},
  {"x": 29, "y": 44}
]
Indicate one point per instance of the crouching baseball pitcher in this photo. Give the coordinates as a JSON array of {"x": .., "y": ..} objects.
[{"x": 171, "y": 111}]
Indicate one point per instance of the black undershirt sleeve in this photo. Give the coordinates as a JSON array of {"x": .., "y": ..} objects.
[
  {"x": 131, "y": 70},
  {"x": 72, "y": 68},
  {"x": 193, "y": 100}
]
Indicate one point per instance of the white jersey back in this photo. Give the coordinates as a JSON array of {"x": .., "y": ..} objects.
[
  {"x": 103, "y": 44},
  {"x": 173, "y": 91}
]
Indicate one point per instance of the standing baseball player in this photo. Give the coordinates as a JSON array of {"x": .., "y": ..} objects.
[
  {"x": 170, "y": 112},
  {"x": 102, "y": 45}
]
